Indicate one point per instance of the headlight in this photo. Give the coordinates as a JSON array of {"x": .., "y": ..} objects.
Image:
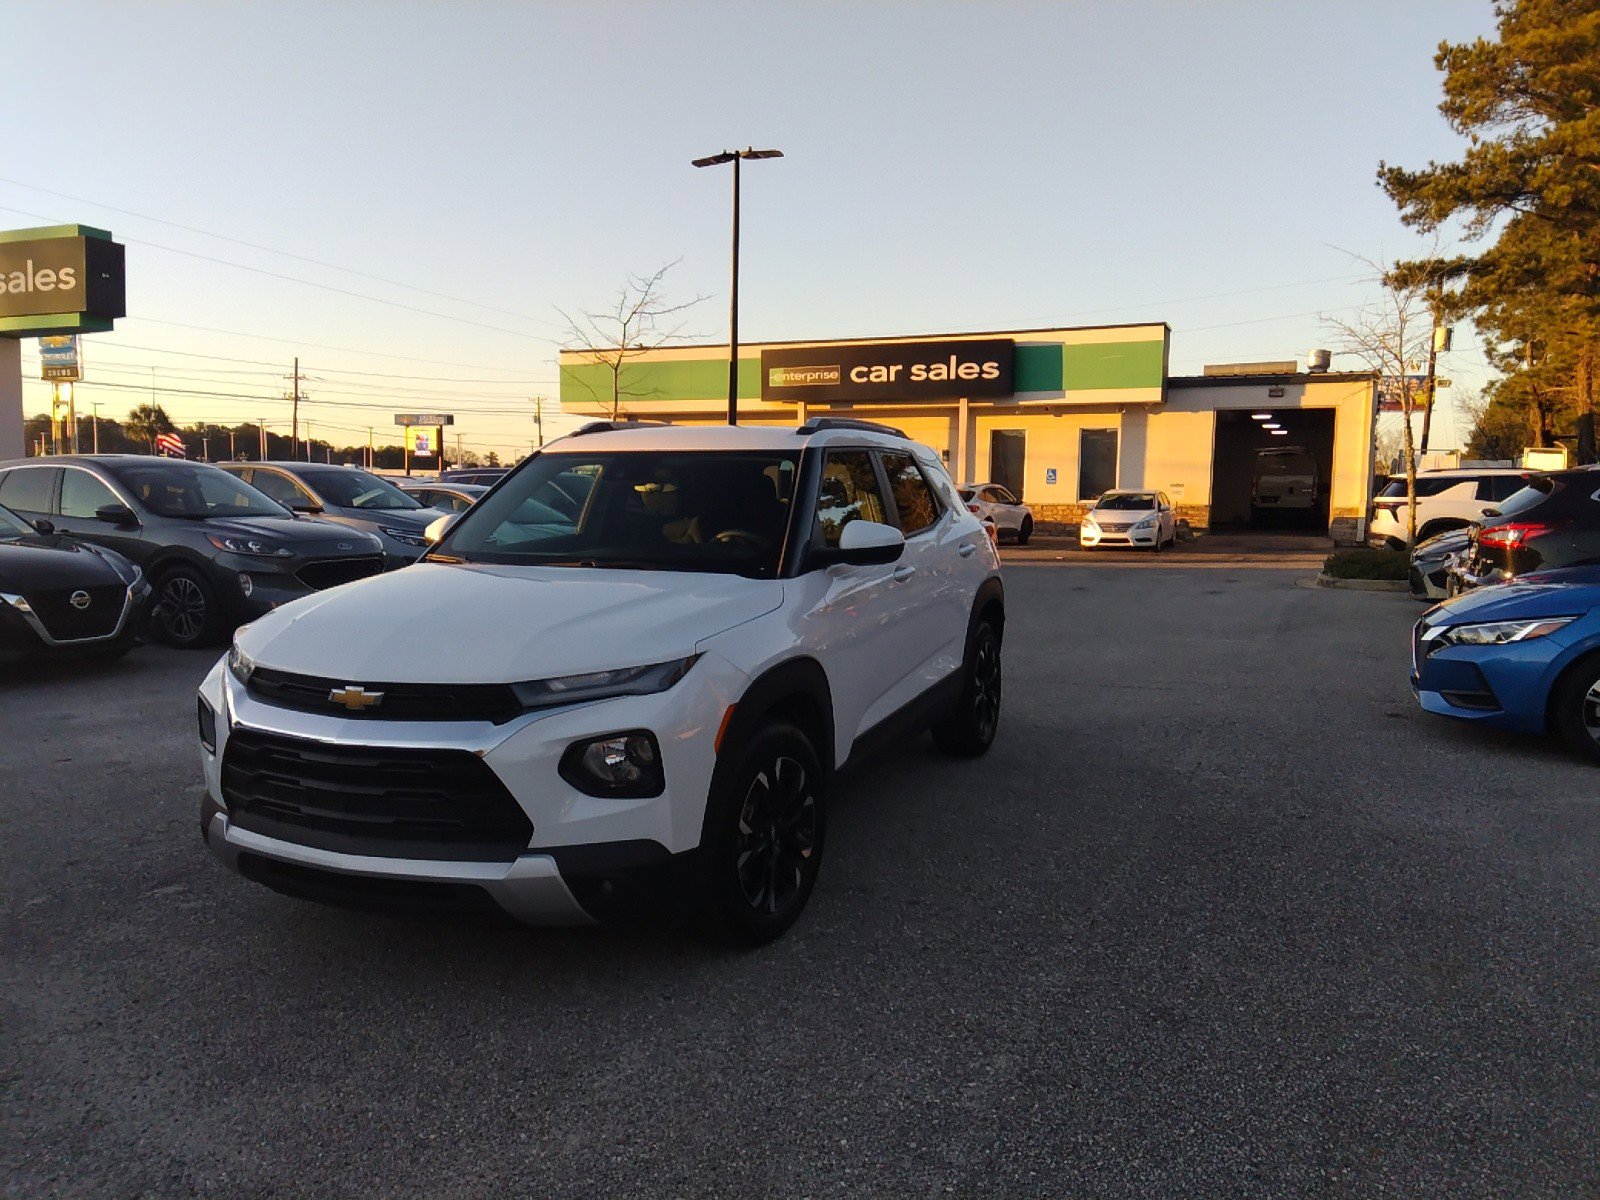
[
  {"x": 1494, "y": 633},
  {"x": 404, "y": 536},
  {"x": 1146, "y": 523},
  {"x": 600, "y": 685},
  {"x": 240, "y": 665},
  {"x": 619, "y": 764},
  {"x": 235, "y": 544},
  {"x": 1091, "y": 524}
]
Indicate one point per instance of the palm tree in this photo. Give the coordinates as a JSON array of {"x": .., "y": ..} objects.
[{"x": 148, "y": 422}]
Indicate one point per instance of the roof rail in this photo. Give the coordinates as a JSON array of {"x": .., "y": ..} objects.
[
  {"x": 818, "y": 424},
  {"x": 608, "y": 426}
]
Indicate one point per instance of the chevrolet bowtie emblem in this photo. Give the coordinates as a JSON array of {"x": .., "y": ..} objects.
[{"x": 355, "y": 698}]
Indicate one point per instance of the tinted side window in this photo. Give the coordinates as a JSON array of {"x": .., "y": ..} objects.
[
  {"x": 279, "y": 487},
  {"x": 82, "y": 493},
  {"x": 1499, "y": 487},
  {"x": 849, "y": 492},
  {"x": 914, "y": 504},
  {"x": 27, "y": 489}
]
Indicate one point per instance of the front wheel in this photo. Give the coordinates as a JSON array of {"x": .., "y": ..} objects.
[
  {"x": 1575, "y": 708},
  {"x": 1025, "y": 532},
  {"x": 764, "y": 834},
  {"x": 186, "y": 609},
  {"x": 970, "y": 730}
]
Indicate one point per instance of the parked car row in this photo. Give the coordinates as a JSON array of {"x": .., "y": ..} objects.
[
  {"x": 1516, "y": 643},
  {"x": 213, "y": 547}
]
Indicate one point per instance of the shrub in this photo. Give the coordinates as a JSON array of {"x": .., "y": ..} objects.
[{"x": 1367, "y": 564}]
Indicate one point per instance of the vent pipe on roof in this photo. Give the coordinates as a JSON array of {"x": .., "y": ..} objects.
[{"x": 1318, "y": 361}]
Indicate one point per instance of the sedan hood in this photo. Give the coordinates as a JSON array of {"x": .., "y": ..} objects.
[
  {"x": 411, "y": 520},
  {"x": 1551, "y": 594},
  {"x": 448, "y": 623},
  {"x": 302, "y": 533},
  {"x": 52, "y": 561}
]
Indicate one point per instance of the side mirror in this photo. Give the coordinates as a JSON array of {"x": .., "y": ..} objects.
[
  {"x": 301, "y": 505},
  {"x": 866, "y": 544},
  {"x": 119, "y": 515},
  {"x": 43, "y": 526},
  {"x": 1490, "y": 512},
  {"x": 438, "y": 527}
]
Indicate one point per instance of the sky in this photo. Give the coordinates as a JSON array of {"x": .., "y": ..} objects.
[{"x": 407, "y": 196}]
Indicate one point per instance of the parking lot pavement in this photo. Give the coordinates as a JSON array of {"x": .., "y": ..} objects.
[{"x": 1221, "y": 913}]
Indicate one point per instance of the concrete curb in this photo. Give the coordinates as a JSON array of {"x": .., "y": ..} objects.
[{"x": 1363, "y": 585}]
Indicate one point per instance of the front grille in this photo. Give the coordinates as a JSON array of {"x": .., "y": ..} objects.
[
  {"x": 373, "y": 800},
  {"x": 67, "y": 624},
  {"x": 331, "y": 572},
  {"x": 401, "y": 701}
]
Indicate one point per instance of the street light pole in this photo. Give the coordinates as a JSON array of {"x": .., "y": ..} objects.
[{"x": 734, "y": 156}]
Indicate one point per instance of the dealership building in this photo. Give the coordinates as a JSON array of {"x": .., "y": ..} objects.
[{"x": 1055, "y": 415}]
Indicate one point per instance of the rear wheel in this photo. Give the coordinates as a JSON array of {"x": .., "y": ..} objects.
[
  {"x": 764, "y": 835},
  {"x": 1025, "y": 532},
  {"x": 970, "y": 730},
  {"x": 186, "y": 609},
  {"x": 1575, "y": 707}
]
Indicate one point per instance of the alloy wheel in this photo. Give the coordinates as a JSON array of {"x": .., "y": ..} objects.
[
  {"x": 183, "y": 608},
  {"x": 986, "y": 688},
  {"x": 1591, "y": 711},
  {"x": 777, "y": 835}
]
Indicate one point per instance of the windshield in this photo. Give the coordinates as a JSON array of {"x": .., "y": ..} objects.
[
  {"x": 13, "y": 526},
  {"x": 966, "y": 494},
  {"x": 1127, "y": 502},
  {"x": 719, "y": 511},
  {"x": 1526, "y": 497},
  {"x": 171, "y": 489},
  {"x": 350, "y": 488}
]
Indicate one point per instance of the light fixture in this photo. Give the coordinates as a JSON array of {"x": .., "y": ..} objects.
[
  {"x": 1261, "y": 416},
  {"x": 1280, "y": 433},
  {"x": 1271, "y": 425}
]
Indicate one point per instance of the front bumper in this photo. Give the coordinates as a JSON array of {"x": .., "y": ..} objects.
[
  {"x": 1090, "y": 538},
  {"x": 588, "y": 857}
]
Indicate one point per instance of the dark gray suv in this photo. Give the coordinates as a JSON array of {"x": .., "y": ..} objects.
[
  {"x": 349, "y": 496},
  {"x": 218, "y": 552}
]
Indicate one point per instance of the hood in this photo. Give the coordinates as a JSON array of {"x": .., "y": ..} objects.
[
  {"x": 1551, "y": 594},
  {"x": 412, "y": 520},
  {"x": 53, "y": 561},
  {"x": 479, "y": 623},
  {"x": 300, "y": 532}
]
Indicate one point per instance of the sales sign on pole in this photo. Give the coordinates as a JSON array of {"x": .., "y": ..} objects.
[{"x": 58, "y": 358}]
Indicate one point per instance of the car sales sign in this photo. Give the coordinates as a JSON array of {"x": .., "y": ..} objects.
[
  {"x": 67, "y": 276},
  {"x": 889, "y": 371}
]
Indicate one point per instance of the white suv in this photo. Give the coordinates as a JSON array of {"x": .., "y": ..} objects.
[
  {"x": 628, "y": 675},
  {"x": 1446, "y": 500},
  {"x": 993, "y": 503}
]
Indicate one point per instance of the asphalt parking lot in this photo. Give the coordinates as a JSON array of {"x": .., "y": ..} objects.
[{"x": 1222, "y": 913}]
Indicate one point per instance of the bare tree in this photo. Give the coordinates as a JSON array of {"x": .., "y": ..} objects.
[
  {"x": 1393, "y": 335},
  {"x": 638, "y": 320}
]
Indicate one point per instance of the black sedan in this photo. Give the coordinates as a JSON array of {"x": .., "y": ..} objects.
[
  {"x": 1552, "y": 522},
  {"x": 217, "y": 551},
  {"x": 59, "y": 596}
]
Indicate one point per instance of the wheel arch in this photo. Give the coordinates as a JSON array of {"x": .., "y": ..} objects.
[
  {"x": 1585, "y": 660},
  {"x": 795, "y": 690}
]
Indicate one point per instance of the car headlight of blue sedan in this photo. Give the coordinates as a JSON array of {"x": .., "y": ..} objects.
[{"x": 1495, "y": 633}]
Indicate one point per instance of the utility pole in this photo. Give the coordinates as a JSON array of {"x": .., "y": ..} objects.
[
  {"x": 294, "y": 418},
  {"x": 205, "y": 448},
  {"x": 308, "y": 442},
  {"x": 369, "y": 447},
  {"x": 261, "y": 423},
  {"x": 459, "y": 461},
  {"x": 55, "y": 418},
  {"x": 538, "y": 418},
  {"x": 233, "y": 451},
  {"x": 95, "y": 418},
  {"x": 72, "y": 413}
]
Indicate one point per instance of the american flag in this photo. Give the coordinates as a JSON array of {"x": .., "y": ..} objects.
[{"x": 170, "y": 445}]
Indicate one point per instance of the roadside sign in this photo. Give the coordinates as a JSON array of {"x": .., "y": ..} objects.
[
  {"x": 419, "y": 439},
  {"x": 58, "y": 358},
  {"x": 434, "y": 419}
]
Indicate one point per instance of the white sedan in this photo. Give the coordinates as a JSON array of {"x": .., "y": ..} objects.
[
  {"x": 991, "y": 502},
  {"x": 1129, "y": 518}
]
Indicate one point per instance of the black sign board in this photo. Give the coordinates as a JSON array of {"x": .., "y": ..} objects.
[
  {"x": 889, "y": 371},
  {"x": 62, "y": 275}
]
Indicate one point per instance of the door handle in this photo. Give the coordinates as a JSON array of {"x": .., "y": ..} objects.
[
  {"x": 901, "y": 574},
  {"x": 966, "y": 549}
]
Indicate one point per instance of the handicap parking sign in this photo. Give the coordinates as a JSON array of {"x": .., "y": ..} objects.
[{"x": 1049, "y": 474}]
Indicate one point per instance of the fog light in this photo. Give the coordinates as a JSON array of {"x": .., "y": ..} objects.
[
  {"x": 208, "y": 726},
  {"x": 246, "y": 584},
  {"x": 618, "y": 764}
]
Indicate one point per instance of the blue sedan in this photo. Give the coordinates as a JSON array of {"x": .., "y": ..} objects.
[{"x": 1522, "y": 656}]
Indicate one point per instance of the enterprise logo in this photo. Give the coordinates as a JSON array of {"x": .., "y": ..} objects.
[{"x": 823, "y": 376}]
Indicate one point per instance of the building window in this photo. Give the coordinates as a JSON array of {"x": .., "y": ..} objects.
[
  {"x": 1008, "y": 452},
  {"x": 1097, "y": 462}
]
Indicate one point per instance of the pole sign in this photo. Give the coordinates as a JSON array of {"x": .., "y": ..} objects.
[
  {"x": 58, "y": 358},
  {"x": 59, "y": 279},
  {"x": 420, "y": 440},
  {"x": 434, "y": 419},
  {"x": 889, "y": 372},
  {"x": 1416, "y": 390}
]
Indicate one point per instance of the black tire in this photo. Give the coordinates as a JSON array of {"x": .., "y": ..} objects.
[
  {"x": 186, "y": 612},
  {"x": 1575, "y": 707},
  {"x": 970, "y": 730},
  {"x": 766, "y": 820},
  {"x": 1025, "y": 532}
]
